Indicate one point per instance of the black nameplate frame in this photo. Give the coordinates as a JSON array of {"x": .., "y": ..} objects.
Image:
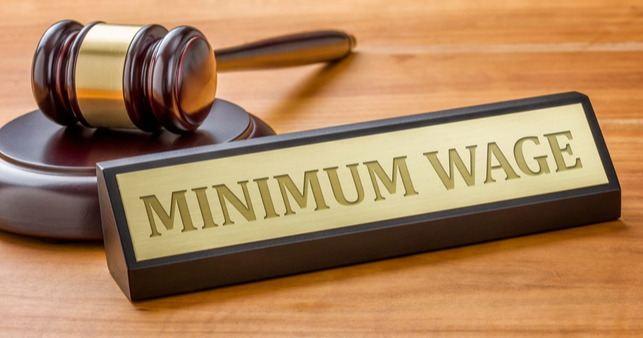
[{"x": 217, "y": 215}]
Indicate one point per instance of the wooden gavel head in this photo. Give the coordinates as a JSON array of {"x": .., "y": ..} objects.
[{"x": 121, "y": 76}]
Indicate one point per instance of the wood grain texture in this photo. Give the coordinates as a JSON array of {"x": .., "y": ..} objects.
[{"x": 412, "y": 57}]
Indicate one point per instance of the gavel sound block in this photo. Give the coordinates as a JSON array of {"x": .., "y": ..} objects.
[{"x": 133, "y": 80}]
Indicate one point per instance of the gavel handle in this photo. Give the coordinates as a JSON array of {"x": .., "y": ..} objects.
[{"x": 286, "y": 51}]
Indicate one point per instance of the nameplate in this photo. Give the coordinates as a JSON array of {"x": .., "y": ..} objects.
[{"x": 224, "y": 214}]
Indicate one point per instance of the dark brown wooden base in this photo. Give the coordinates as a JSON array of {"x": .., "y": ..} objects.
[{"x": 48, "y": 175}]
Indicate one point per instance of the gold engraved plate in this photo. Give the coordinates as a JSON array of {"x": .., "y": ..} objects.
[
  {"x": 99, "y": 75},
  {"x": 249, "y": 198}
]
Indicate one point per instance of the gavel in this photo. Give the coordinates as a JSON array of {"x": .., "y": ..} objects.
[{"x": 122, "y": 76}]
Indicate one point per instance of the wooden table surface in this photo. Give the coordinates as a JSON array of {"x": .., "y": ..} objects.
[{"x": 412, "y": 57}]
